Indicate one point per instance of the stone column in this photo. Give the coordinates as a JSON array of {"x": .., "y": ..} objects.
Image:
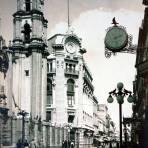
[
  {"x": 17, "y": 27},
  {"x": 14, "y": 140},
  {"x": 44, "y": 87},
  {"x": 36, "y": 26},
  {"x": 36, "y": 132},
  {"x": 36, "y": 84},
  {"x": 45, "y": 130}
]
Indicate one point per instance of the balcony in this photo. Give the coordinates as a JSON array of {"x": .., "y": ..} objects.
[
  {"x": 88, "y": 81},
  {"x": 50, "y": 107},
  {"x": 51, "y": 72},
  {"x": 70, "y": 72}
]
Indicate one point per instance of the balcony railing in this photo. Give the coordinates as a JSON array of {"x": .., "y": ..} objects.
[
  {"x": 51, "y": 71},
  {"x": 88, "y": 81},
  {"x": 49, "y": 105},
  {"x": 71, "y": 72}
]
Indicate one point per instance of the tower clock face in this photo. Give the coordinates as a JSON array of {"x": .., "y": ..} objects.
[
  {"x": 71, "y": 47},
  {"x": 116, "y": 39}
]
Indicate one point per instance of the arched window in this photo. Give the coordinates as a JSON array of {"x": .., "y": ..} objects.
[
  {"x": 26, "y": 31},
  {"x": 49, "y": 92},
  {"x": 70, "y": 92},
  {"x": 70, "y": 86}
]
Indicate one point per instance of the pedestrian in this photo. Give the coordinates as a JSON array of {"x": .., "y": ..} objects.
[
  {"x": 33, "y": 144},
  {"x": 69, "y": 143},
  {"x": 110, "y": 145},
  {"x": 117, "y": 145},
  {"x": 63, "y": 144},
  {"x": 72, "y": 144},
  {"x": 26, "y": 144},
  {"x": 19, "y": 144},
  {"x": 41, "y": 143}
]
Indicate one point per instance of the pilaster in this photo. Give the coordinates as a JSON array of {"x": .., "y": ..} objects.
[
  {"x": 44, "y": 87},
  {"x": 14, "y": 138},
  {"x": 36, "y": 89},
  {"x": 61, "y": 106}
]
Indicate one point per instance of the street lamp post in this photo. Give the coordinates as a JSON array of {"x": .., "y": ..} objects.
[{"x": 120, "y": 93}]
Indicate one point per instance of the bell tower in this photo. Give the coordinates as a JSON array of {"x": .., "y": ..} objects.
[
  {"x": 29, "y": 22},
  {"x": 30, "y": 57}
]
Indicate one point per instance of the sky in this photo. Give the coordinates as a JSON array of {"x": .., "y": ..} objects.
[{"x": 89, "y": 19}]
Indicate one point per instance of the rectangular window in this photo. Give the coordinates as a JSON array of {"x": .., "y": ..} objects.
[
  {"x": 49, "y": 99},
  {"x": 71, "y": 100},
  {"x": 48, "y": 116},
  {"x": 27, "y": 72},
  {"x": 47, "y": 67},
  {"x": 71, "y": 118},
  {"x": 51, "y": 68},
  {"x": 27, "y": 5}
]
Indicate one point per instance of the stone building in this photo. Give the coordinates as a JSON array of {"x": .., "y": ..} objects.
[
  {"x": 70, "y": 98},
  {"x": 106, "y": 125},
  {"x": 26, "y": 75},
  {"x": 140, "y": 108}
]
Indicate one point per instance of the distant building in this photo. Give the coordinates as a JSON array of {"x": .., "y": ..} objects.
[{"x": 106, "y": 125}]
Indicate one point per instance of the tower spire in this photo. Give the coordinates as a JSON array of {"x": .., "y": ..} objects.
[
  {"x": 0, "y": 26},
  {"x": 68, "y": 11}
]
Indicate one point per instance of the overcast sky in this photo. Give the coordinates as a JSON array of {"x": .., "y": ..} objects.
[{"x": 89, "y": 20}]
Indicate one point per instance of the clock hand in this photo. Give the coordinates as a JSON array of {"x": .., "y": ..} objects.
[{"x": 117, "y": 37}]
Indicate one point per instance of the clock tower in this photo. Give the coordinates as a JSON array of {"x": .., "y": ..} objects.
[{"x": 30, "y": 58}]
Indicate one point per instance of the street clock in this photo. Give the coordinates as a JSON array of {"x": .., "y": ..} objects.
[
  {"x": 116, "y": 39},
  {"x": 72, "y": 44}
]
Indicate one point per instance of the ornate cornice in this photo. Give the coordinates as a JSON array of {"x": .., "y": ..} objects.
[
  {"x": 22, "y": 12},
  {"x": 58, "y": 46}
]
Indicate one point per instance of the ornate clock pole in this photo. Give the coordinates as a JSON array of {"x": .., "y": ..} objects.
[{"x": 117, "y": 40}]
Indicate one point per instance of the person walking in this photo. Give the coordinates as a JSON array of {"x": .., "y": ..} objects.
[
  {"x": 19, "y": 144},
  {"x": 72, "y": 145},
  {"x": 33, "y": 144},
  {"x": 110, "y": 145},
  {"x": 117, "y": 145},
  {"x": 63, "y": 144},
  {"x": 26, "y": 144}
]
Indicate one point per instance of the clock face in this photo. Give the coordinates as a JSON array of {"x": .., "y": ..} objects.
[
  {"x": 116, "y": 39},
  {"x": 71, "y": 47}
]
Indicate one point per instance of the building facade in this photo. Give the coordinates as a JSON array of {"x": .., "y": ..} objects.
[
  {"x": 70, "y": 99},
  {"x": 106, "y": 125},
  {"x": 140, "y": 108}
]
